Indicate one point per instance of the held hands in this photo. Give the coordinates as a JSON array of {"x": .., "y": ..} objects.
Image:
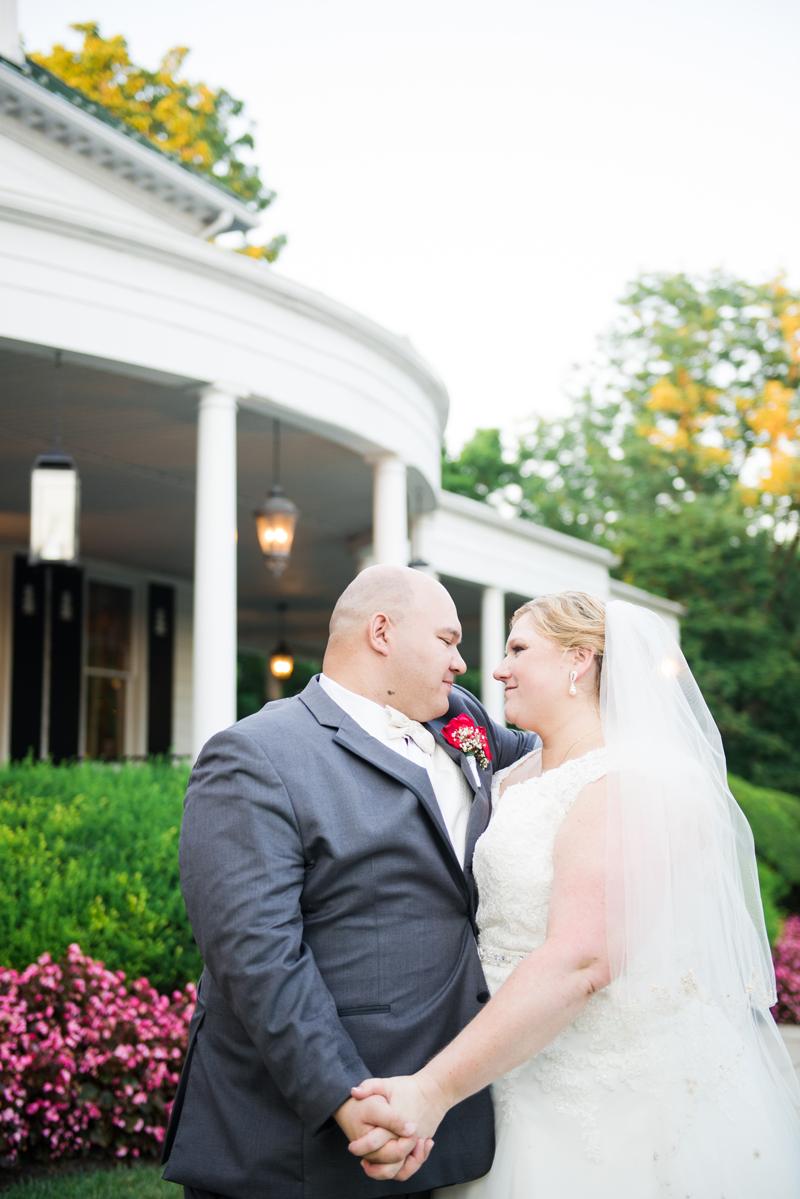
[
  {"x": 394, "y": 1145},
  {"x": 421, "y": 1099}
]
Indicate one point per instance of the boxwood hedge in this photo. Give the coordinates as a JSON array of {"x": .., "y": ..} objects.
[{"x": 89, "y": 854}]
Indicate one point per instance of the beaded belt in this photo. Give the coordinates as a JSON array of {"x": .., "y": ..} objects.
[{"x": 499, "y": 957}]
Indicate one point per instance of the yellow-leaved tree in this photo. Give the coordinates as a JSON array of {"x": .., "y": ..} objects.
[
  {"x": 188, "y": 120},
  {"x": 682, "y": 454}
]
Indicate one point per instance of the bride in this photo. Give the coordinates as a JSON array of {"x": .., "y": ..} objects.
[{"x": 629, "y": 1039}]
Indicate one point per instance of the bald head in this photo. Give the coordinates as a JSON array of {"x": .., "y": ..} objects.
[
  {"x": 394, "y": 638},
  {"x": 393, "y": 590}
]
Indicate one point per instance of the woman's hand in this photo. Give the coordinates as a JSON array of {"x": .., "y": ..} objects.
[
  {"x": 422, "y": 1102},
  {"x": 536, "y": 1002},
  {"x": 393, "y": 1137}
]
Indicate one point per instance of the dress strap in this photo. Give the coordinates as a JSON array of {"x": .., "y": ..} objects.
[{"x": 499, "y": 775}]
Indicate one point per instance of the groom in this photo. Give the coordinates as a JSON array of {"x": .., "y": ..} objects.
[{"x": 326, "y": 857}]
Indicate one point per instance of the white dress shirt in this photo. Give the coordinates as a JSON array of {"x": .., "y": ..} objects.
[{"x": 452, "y": 791}]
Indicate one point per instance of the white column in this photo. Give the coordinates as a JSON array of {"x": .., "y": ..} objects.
[
  {"x": 493, "y": 650},
  {"x": 389, "y": 512},
  {"x": 214, "y": 633},
  {"x": 6, "y": 617},
  {"x": 422, "y": 542},
  {"x": 10, "y": 46}
]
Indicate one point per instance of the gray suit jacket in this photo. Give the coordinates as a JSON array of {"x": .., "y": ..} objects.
[{"x": 337, "y": 931}]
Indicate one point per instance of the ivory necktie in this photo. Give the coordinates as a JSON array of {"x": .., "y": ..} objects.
[{"x": 401, "y": 726}]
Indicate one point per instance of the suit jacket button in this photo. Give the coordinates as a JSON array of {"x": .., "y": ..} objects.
[{"x": 483, "y": 997}]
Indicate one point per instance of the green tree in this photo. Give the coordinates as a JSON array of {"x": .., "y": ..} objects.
[
  {"x": 695, "y": 394},
  {"x": 186, "y": 119},
  {"x": 741, "y": 635},
  {"x": 479, "y": 471},
  {"x": 683, "y": 456}
]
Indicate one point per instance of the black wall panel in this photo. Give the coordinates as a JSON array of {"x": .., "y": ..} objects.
[
  {"x": 27, "y": 660},
  {"x": 160, "y": 646},
  {"x": 36, "y": 587},
  {"x": 66, "y": 598}
]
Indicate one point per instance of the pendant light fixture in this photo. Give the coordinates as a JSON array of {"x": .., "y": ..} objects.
[
  {"x": 55, "y": 496},
  {"x": 281, "y": 662},
  {"x": 277, "y": 516}
]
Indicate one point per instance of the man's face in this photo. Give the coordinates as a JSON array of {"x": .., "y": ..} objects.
[{"x": 424, "y": 656}]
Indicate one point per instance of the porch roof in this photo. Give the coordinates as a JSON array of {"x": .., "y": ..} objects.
[{"x": 35, "y": 98}]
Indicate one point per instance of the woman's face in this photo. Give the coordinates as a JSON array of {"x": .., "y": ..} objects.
[{"x": 535, "y": 672}]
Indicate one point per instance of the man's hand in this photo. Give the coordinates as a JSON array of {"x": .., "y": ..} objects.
[
  {"x": 420, "y": 1097},
  {"x": 393, "y": 1137}
]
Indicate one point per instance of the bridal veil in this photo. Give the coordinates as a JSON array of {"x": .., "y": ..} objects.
[{"x": 687, "y": 942}]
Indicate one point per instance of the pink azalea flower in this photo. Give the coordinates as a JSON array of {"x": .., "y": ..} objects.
[
  {"x": 786, "y": 956},
  {"x": 82, "y": 1060}
]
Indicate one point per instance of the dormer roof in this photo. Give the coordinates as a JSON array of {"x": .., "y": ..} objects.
[{"x": 39, "y": 100}]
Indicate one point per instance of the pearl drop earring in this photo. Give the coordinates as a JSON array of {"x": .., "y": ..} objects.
[{"x": 573, "y": 690}]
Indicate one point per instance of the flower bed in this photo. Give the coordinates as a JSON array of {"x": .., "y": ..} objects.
[
  {"x": 89, "y": 854},
  {"x": 786, "y": 956},
  {"x": 88, "y": 1065}
]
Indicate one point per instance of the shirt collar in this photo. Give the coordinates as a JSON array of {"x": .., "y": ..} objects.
[{"x": 365, "y": 712}]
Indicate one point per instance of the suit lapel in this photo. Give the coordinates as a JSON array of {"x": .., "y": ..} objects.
[
  {"x": 351, "y": 736},
  {"x": 481, "y": 808}
]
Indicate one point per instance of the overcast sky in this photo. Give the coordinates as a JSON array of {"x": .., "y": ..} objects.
[{"x": 485, "y": 177}]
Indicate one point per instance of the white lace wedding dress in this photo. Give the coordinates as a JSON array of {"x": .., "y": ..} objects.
[{"x": 591, "y": 1116}]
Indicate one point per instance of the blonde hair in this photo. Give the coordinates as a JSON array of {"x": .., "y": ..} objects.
[{"x": 571, "y": 620}]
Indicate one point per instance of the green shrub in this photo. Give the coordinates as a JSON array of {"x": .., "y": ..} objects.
[
  {"x": 89, "y": 854},
  {"x": 251, "y": 680},
  {"x": 774, "y": 818},
  {"x": 773, "y": 890}
]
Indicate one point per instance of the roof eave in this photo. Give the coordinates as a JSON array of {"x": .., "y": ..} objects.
[
  {"x": 483, "y": 512},
  {"x": 144, "y": 166}
]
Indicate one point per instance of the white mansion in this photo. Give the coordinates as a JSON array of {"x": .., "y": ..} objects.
[{"x": 170, "y": 360}]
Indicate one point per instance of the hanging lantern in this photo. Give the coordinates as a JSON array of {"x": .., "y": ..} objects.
[
  {"x": 275, "y": 523},
  {"x": 281, "y": 663},
  {"x": 277, "y": 517},
  {"x": 55, "y": 506}
]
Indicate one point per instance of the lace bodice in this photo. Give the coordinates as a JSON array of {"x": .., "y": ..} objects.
[
  {"x": 604, "y": 1048},
  {"x": 628, "y": 1101},
  {"x": 513, "y": 861}
]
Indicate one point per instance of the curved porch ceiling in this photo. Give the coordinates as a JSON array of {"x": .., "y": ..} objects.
[{"x": 134, "y": 441}]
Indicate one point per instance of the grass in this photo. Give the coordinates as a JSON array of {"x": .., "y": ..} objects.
[{"x": 122, "y": 1182}]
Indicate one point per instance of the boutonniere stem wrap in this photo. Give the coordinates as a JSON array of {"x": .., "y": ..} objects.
[{"x": 464, "y": 734}]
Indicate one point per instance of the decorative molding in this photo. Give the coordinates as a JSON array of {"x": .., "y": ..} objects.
[
  {"x": 645, "y": 599},
  {"x": 460, "y": 505},
  {"x": 92, "y": 137},
  {"x": 236, "y": 270}
]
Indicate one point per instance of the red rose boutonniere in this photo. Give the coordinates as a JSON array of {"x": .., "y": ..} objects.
[{"x": 470, "y": 738}]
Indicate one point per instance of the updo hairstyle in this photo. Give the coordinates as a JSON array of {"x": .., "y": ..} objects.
[{"x": 571, "y": 620}]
